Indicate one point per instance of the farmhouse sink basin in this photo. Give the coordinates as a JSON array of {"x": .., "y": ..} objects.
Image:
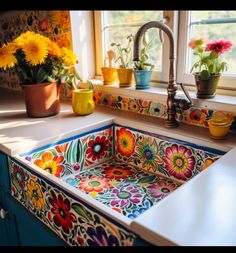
[{"x": 88, "y": 188}]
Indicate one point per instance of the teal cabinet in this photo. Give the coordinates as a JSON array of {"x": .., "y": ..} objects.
[{"x": 17, "y": 225}]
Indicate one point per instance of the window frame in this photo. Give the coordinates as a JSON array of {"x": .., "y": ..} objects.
[
  {"x": 159, "y": 77},
  {"x": 226, "y": 82}
]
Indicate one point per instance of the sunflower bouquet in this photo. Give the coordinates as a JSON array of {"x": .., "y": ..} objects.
[{"x": 37, "y": 59}]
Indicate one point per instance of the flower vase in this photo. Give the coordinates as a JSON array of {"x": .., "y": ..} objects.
[
  {"x": 206, "y": 88},
  {"x": 42, "y": 99}
]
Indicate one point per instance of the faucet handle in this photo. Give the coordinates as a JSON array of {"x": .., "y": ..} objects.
[
  {"x": 164, "y": 21},
  {"x": 186, "y": 94}
]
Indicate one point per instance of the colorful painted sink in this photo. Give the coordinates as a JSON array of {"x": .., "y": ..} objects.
[{"x": 99, "y": 181}]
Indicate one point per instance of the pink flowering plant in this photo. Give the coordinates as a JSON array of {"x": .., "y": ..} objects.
[{"x": 209, "y": 61}]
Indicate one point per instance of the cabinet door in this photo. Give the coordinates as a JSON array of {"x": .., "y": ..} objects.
[
  {"x": 8, "y": 228},
  {"x": 4, "y": 173},
  {"x": 33, "y": 232}
]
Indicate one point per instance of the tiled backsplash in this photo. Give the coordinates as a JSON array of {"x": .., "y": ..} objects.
[{"x": 194, "y": 115}]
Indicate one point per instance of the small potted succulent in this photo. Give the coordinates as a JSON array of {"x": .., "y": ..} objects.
[
  {"x": 143, "y": 68},
  {"x": 124, "y": 58},
  {"x": 209, "y": 64}
]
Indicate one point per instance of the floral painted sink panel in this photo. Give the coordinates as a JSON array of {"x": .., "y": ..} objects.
[
  {"x": 73, "y": 220},
  {"x": 74, "y": 154},
  {"x": 172, "y": 158},
  {"x": 124, "y": 188}
]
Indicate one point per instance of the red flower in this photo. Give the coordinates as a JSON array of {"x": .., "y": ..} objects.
[
  {"x": 179, "y": 161},
  {"x": 118, "y": 172},
  {"x": 61, "y": 210},
  {"x": 219, "y": 46},
  {"x": 97, "y": 148}
]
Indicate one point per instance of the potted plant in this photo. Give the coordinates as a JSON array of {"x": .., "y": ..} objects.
[
  {"x": 109, "y": 73},
  {"x": 41, "y": 67},
  {"x": 124, "y": 58},
  {"x": 142, "y": 68},
  {"x": 209, "y": 64}
]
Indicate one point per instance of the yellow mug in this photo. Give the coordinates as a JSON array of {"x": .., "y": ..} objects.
[{"x": 82, "y": 101}]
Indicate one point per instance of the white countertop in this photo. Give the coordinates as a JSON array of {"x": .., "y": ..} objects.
[{"x": 200, "y": 212}]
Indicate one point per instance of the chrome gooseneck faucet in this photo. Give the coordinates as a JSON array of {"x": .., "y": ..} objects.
[{"x": 172, "y": 102}]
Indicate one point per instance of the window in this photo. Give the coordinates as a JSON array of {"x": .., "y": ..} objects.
[
  {"x": 115, "y": 26},
  {"x": 211, "y": 25}
]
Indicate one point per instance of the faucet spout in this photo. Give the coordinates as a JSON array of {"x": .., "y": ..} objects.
[{"x": 172, "y": 102}]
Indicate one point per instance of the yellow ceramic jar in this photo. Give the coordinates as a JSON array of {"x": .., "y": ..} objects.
[
  {"x": 218, "y": 130},
  {"x": 82, "y": 101}
]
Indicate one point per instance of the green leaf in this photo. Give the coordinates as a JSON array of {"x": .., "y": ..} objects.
[
  {"x": 40, "y": 75},
  {"x": 205, "y": 74},
  {"x": 79, "y": 209},
  {"x": 72, "y": 152},
  {"x": 148, "y": 179}
]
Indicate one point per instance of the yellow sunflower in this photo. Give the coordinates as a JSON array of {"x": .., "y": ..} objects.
[
  {"x": 54, "y": 50},
  {"x": 35, "y": 49},
  {"x": 7, "y": 59},
  {"x": 23, "y": 38},
  {"x": 35, "y": 194},
  {"x": 69, "y": 58}
]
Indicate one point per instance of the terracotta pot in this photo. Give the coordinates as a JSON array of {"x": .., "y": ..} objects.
[
  {"x": 109, "y": 75},
  {"x": 206, "y": 88},
  {"x": 42, "y": 100},
  {"x": 125, "y": 77}
]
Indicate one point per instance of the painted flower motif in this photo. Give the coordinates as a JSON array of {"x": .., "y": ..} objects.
[
  {"x": 208, "y": 162},
  {"x": 161, "y": 189},
  {"x": 157, "y": 109},
  {"x": 107, "y": 100},
  {"x": 99, "y": 237},
  {"x": 197, "y": 117},
  {"x": 179, "y": 161},
  {"x": 50, "y": 163},
  {"x": 135, "y": 213},
  {"x": 28, "y": 158},
  {"x": 97, "y": 97},
  {"x": 124, "y": 104},
  {"x": 35, "y": 194},
  {"x": 147, "y": 152},
  {"x": 94, "y": 184},
  {"x": 124, "y": 196},
  {"x": 125, "y": 142},
  {"x": 97, "y": 148},
  {"x": 62, "y": 148},
  {"x": 18, "y": 177},
  {"x": 60, "y": 209},
  {"x": 76, "y": 166},
  {"x": 133, "y": 105},
  {"x": 117, "y": 172}
]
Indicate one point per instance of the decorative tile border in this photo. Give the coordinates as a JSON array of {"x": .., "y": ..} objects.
[
  {"x": 77, "y": 154},
  {"x": 193, "y": 116},
  {"x": 172, "y": 158},
  {"x": 122, "y": 187},
  {"x": 75, "y": 222}
]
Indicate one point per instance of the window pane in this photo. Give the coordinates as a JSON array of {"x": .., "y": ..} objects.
[
  {"x": 213, "y": 31},
  {"x": 120, "y": 24}
]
